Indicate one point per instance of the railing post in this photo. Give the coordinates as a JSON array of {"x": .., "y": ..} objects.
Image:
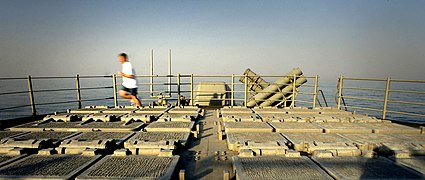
[
  {"x": 387, "y": 91},
  {"x": 114, "y": 86},
  {"x": 232, "y": 95},
  {"x": 191, "y": 90},
  {"x": 169, "y": 72},
  {"x": 151, "y": 74},
  {"x": 178, "y": 90},
  {"x": 31, "y": 95},
  {"x": 77, "y": 84},
  {"x": 316, "y": 84},
  {"x": 340, "y": 84},
  {"x": 293, "y": 90},
  {"x": 246, "y": 91}
]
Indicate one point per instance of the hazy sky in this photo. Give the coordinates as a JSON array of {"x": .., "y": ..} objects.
[{"x": 376, "y": 38}]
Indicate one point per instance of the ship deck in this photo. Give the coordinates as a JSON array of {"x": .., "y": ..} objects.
[{"x": 226, "y": 143}]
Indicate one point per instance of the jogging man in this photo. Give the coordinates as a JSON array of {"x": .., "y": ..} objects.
[{"x": 129, "y": 82}]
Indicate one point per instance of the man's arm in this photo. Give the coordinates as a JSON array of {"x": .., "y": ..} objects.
[
  {"x": 125, "y": 75},
  {"x": 127, "y": 71}
]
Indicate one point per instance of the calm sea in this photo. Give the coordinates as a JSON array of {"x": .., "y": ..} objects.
[{"x": 105, "y": 93}]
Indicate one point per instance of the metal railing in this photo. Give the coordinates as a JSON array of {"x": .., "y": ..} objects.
[
  {"x": 238, "y": 92},
  {"x": 323, "y": 97},
  {"x": 385, "y": 100},
  {"x": 32, "y": 97},
  {"x": 176, "y": 85}
]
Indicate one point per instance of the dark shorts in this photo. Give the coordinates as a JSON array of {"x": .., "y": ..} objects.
[{"x": 132, "y": 91}]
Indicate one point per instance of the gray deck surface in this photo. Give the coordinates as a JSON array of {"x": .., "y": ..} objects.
[
  {"x": 365, "y": 168},
  {"x": 314, "y": 144},
  {"x": 275, "y": 167},
  {"x": 141, "y": 167},
  {"x": 102, "y": 135},
  {"x": 45, "y": 135},
  {"x": 53, "y": 166}
]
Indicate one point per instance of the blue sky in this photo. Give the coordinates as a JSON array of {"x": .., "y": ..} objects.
[{"x": 329, "y": 38}]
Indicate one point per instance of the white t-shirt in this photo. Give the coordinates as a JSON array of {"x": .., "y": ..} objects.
[{"x": 128, "y": 69}]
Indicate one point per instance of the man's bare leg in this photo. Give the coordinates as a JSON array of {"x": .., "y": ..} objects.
[
  {"x": 136, "y": 100},
  {"x": 125, "y": 94}
]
